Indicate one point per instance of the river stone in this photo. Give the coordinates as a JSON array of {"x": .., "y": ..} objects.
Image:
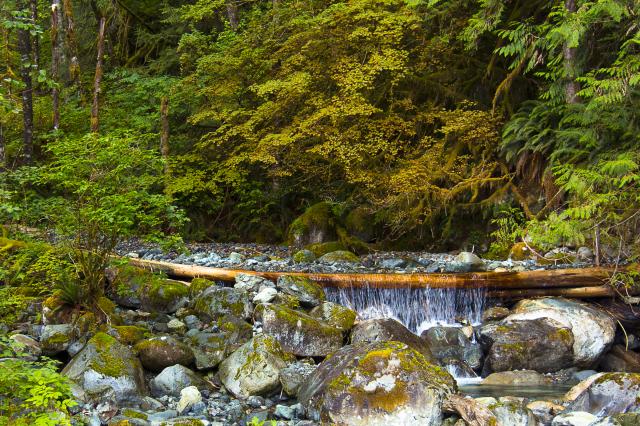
[
  {"x": 451, "y": 342},
  {"x": 304, "y": 256},
  {"x": 621, "y": 360},
  {"x": 606, "y": 394},
  {"x": 387, "y": 329},
  {"x": 593, "y": 330},
  {"x": 189, "y": 397},
  {"x": 254, "y": 369},
  {"x": 335, "y": 315},
  {"x": 251, "y": 283},
  {"x": 517, "y": 378},
  {"x": 27, "y": 343},
  {"x": 211, "y": 348},
  {"x": 466, "y": 262},
  {"x": 543, "y": 345},
  {"x": 158, "y": 353},
  {"x": 105, "y": 367},
  {"x": 215, "y": 302},
  {"x": 545, "y": 411},
  {"x": 173, "y": 379},
  {"x": 576, "y": 418},
  {"x": 380, "y": 383},
  {"x": 297, "y": 332},
  {"x": 512, "y": 413},
  {"x": 56, "y": 338},
  {"x": 266, "y": 295},
  {"x": 339, "y": 256},
  {"x": 306, "y": 291},
  {"x": 294, "y": 375},
  {"x": 495, "y": 313}
]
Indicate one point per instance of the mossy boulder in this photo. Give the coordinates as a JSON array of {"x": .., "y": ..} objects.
[
  {"x": 297, "y": 332},
  {"x": 56, "y": 338},
  {"x": 160, "y": 352},
  {"x": 210, "y": 348},
  {"x": 129, "y": 334},
  {"x": 303, "y": 289},
  {"x": 593, "y": 330},
  {"x": 106, "y": 368},
  {"x": 513, "y": 413},
  {"x": 335, "y": 315},
  {"x": 359, "y": 222},
  {"x": 339, "y": 256},
  {"x": 304, "y": 256},
  {"x": 388, "y": 329},
  {"x": 320, "y": 249},
  {"x": 520, "y": 251},
  {"x": 216, "y": 302},
  {"x": 198, "y": 285},
  {"x": 607, "y": 394},
  {"x": 380, "y": 383},
  {"x": 254, "y": 368},
  {"x": 166, "y": 296},
  {"x": 451, "y": 343},
  {"x": 316, "y": 225},
  {"x": 543, "y": 345}
]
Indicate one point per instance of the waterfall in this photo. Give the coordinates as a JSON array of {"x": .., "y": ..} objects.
[{"x": 418, "y": 309}]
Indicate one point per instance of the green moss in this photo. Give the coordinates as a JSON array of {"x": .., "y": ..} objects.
[
  {"x": 198, "y": 285},
  {"x": 134, "y": 414},
  {"x": 59, "y": 338},
  {"x": 319, "y": 216},
  {"x": 184, "y": 422},
  {"x": 320, "y": 249},
  {"x": 131, "y": 334},
  {"x": 87, "y": 323},
  {"x": 107, "y": 306},
  {"x": 107, "y": 363},
  {"x": 340, "y": 256},
  {"x": 166, "y": 291},
  {"x": 304, "y": 256}
]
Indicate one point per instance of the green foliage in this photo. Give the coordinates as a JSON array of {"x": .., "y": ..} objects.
[
  {"x": 508, "y": 223},
  {"x": 31, "y": 392}
]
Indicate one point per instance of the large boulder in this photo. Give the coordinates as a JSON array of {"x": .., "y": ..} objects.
[
  {"x": 297, "y": 332},
  {"x": 106, "y": 368},
  {"x": 303, "y": 289},
  {"x": 56, "y": 338},
  {"x": 339, "y": 256},
  {"x": 216, "y": 302},
  {"x": 380, "y": 383},
  {"x": 517, "y": 378},
  {"x": 543, "y": 345},
  {"x": 316, "y": 225},
  {"x": 335, "y": 315},
  {"x": 388, "y": 329},
  {"x": 452, "y": 343},
  {"x": 173, "y": 379},
  {"x": 254, "y": 369},
  {"x": 210, "y": 348},
  {"x": 606, "y": 394},
  {"x": 593, "y": 330},
  {"x": 160, "y": 352}
]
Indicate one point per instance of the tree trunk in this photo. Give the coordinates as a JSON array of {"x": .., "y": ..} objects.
[
  {"x": 232, "y": 14},
  {"x": 36, "y": 39},
  {"x": 164, "y": 133},
  {"x": 570, "y": 63},
  {"x": 98, "y": 78},
  {"x": 3, "y": 160},
  {"x": 56, "y": 38},
  {"x": 72, "y": 46},
  {"x": 24, "y": 47}
]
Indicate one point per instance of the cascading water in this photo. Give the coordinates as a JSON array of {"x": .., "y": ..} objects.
[{"x": 418, "y": 309}]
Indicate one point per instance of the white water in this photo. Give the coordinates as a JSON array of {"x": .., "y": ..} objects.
[{"x": 417, "y": 309}]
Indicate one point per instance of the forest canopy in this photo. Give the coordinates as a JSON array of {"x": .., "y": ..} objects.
[{"x": 424, "y": 124}]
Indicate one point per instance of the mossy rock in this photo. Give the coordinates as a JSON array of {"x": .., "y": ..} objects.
[
  {"x": 103, "y": 366},
  {"x": 316, "y": 225},
  {"x": 608, "y": 394},
  {"x": 212, "y": 348},
  {"x": 130, "y": 334},
  {"x": 520, "y": 251},
  {"x": 335, "y": 315},
  {"x": 160, "y": 352},
  {"x": 216, "y": 302},
  {"x": 297, "y": 332},
  {"x": 55, "y": 310},
  {"x": 304, "y": 256},
  {"x": 359, "y": 222},
  {"x": 165, "y": 296},
  {"x": 198, "y": 285},
  {"x": 320, "y": 249},
  {"x": 309, "y": 293},
  {"x": 340, "y": 256},
  {"x": 376, "y": 383}
]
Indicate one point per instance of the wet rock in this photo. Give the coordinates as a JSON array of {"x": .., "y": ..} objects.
[
  {"x": 451, "y": 342},
  {"x": 513, "y": 414},
  {"x": 545, "y": 411},
  {"x": 294, "y": 375},
  {"x": 576, "y": 418},
  {"x": 380, "y": 383},
  {"x": 339, "y": 256},
  {"x": 175, "y": 378},
  {"x": 388, "y": 329},
  {"x": 593, "y": 330},
  {"x": 335, "y": 315},
  {"x": 517, "y": 378},
  {"x": 303, "y": 289},
  {"x": 297, "y": 332},
  {"x": 56, "y": 338},
  {"x": 105, "y": 367},
  {"x": 189, "y": 397},
  {"x": 543, "y": 345},
  {"x": 621, "y": 360},
  {"x": 606, "y": 394},
  {"x": 254, "y": 369},
  {"x": 158, "y": 353},
  {"x": 495, "y": 313},
  {"x": 215, "y": 302},
  {"x": 211, "y": 348}
]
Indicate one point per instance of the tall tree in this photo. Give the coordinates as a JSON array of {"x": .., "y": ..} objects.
[
  {"x": 56, "y": 47},
  {"x": 72, "y": 45},
  {"x": 25, "y": 47},
  {"x": 232, "y": 13},
  {"x": 572, "y": 87},
  {"x": 164, "y": 132},
  {"x": 98, "y": 77}
]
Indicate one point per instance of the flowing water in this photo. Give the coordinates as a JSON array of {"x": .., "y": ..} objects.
[{"x": 418, "y": 309}]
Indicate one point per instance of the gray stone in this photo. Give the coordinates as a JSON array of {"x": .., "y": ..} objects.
[
  {"x": 189, "y": 397},
  {"x": 251, "y": 283},
  {"x": 513, "y": 414},
  {"x": 216, "y": 302},
  {"x": 606, "y": 394},
  {"x": 265, "y": 295},
  {"x": 576, "y": 418},
  {"x": 303, "y": 289},
  {"x": 175, "y": 378},
  {"x": 451, "y": 342},
  {"x": 158, "y": 353},
  {"x": 211, "y": 348},
  {"x": 56, "y": 338},
  {"x": 294, "y": 375}
]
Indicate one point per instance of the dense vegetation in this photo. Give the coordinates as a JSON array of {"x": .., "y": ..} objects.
[{"x": 430, "y": 123}]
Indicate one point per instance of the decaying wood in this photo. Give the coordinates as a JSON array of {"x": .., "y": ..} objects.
[
  {"x": 472, "y": 412},
  {"x": 560, "y": 281},
  {"x": 578, "y": 292}
]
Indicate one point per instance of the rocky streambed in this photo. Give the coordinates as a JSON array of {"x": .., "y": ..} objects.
[{"x": 210, "y": 354}]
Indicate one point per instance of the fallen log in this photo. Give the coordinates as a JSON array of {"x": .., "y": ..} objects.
[
  {"x": 542, "y": 279},
  {"x": 577, "y": 292}
]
